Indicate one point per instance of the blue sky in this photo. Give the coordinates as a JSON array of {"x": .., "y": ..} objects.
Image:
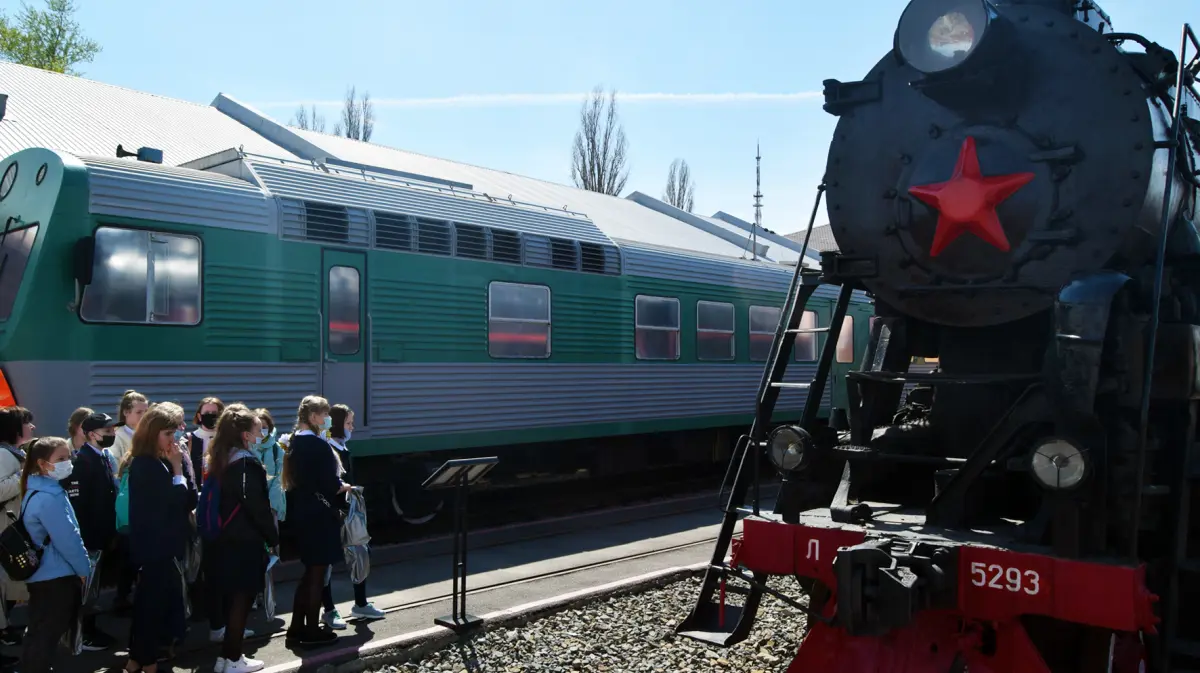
[{"x": 515, "y": 57}]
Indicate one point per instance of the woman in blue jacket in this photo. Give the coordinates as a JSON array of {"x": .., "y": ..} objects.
[{"x": 56, "y": 589}]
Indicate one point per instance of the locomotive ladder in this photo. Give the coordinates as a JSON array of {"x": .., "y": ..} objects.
[
  {"x": 1180, "y": 646},
  {"x": 716, "y": 622}
]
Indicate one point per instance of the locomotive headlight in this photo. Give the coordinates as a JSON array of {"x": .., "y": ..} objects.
[
  {"x": 788, "y": 446},
  {"x": 1058, "y": 464},
  {"x": 937, "y": 35}
]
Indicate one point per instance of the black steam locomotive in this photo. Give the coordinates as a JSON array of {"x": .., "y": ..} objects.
[{"x": 1015, "y": 183}]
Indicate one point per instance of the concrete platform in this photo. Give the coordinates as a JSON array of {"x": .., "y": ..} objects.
[{"x": 416, "y": 591}]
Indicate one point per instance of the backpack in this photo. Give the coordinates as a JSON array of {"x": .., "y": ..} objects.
[
  {"x": 208, "y": 513},
  {"x": 18, "y": 555},
  {"x": 123, "y": 504}
]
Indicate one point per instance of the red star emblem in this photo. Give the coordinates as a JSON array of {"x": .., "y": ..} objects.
[{"x": 968, "y": 200}]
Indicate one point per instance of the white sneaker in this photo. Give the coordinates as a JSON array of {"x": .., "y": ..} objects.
[
  {"x": 367, "y": 611},
  {"x": 333, "y": 620},
  {"x": 219, "y": 667},
  {"x": 244, "y": 665}
]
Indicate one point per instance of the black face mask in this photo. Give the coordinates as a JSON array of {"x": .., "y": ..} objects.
[
  {"x": 107, "y": 441},
  {"x": 209, "y": 421}
]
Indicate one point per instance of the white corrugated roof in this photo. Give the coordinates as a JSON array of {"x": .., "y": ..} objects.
[
  {"x": 81, "y": 116},
  {"x": 618, "y": 218}
]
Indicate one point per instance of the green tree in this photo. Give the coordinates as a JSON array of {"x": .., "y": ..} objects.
[{"x": 49, "y": 39}]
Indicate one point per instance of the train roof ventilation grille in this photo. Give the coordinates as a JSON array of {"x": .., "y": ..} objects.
[
  {"x": 325, "y": 223},
  {"x": 592, "y": 258},
  {"x": 506, "y": 246},
  {"x": 433, "y": 236},
  {"x": 564, "y": 254},
  {"x": 470, "y": 241},
  {"x": 393, "y": 232}
]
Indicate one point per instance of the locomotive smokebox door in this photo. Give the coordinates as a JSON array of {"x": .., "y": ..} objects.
[{"x": 979, "y": 213}]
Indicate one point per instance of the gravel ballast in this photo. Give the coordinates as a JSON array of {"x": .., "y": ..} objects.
[{"x": 629, "y": 633}]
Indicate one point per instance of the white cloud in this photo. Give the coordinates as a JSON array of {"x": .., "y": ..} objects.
[{"x": 534, "y": 99}]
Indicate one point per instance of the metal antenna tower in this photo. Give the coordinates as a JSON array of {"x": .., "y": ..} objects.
[{"x": 757, "y": 200}]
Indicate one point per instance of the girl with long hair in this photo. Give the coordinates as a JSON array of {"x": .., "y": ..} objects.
[
  {"x": 210, "y": 603},
  {"x": 75, "y": 431},
  {"x": 160, "y": 503},
  {"x": 55, "y": 589},
  {"x": 270, "y": 453},
  {"x": 130, "y": 410},
  {"x": 247, "y": 528},
  {"x": 310, "y": 471},
  {"x": 340, "y": 430}
]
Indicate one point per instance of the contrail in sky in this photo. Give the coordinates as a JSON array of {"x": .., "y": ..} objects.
[{"x": 532, "y": 99}]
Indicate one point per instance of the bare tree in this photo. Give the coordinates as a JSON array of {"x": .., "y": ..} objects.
[
  {"x": 309, "y": 121},
  {"x": 358, "y": 117},
  {"x": 599, "y": 154},
  {"x": 681, "y": 189}
]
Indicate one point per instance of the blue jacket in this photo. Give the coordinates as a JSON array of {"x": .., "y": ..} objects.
[
  {"x": 47, "y": 511},
  {"x": 272, "y": 460}
]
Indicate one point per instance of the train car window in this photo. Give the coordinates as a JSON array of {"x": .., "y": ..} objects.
[
  {"x": 15, "y": 247},
  {"x": 344, "y": 330},
  {"x": 518, "y": 320},
  {"x": 805, "y": 348},
  {"x": 845, "y": 342},
  {"x": 144, "y": 277},
  {"x": 714, "y": 331},
  {"x": 763, "y": 322},
  {"x": 656, "y": 327}
]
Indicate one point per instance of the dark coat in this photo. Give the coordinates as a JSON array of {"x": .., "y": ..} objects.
[
  {"x": 93, "y": 493},
  {"x": 313, "y": 500},
  {"x": 159, "y": 528},
  {"x": 196, "y": 451},
  {"x": 244, "y": 489}
]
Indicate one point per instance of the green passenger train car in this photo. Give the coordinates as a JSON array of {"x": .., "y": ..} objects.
[{"x": 451, "y": 321}]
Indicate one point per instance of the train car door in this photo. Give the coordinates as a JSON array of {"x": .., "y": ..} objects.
[{"x": 345, "y": 361}]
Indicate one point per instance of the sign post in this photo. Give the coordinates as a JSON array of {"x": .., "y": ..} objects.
[{"x": 459, "y": 474}]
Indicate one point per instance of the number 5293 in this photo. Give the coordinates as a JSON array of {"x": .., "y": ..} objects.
[{"x": 995, "y": 576}]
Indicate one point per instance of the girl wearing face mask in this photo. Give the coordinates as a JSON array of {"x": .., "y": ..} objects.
[
  {"x": 56, "y": 589},
  {"x": 75, "y": 428},
  {"x": 207, "y": 413},
  {"x": 340, "y": 430},
  {"x": 208, "y": 590},
  {"x": 16, "y": 428},
  {"x": 160, "y": 504},
  {"x": 129, "y": 413},
  {"x": 240, "y": 556},
  {"x": 310, "y": 474}
]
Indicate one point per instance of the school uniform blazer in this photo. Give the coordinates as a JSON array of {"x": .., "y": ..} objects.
[
  {"x": 158, "y": 511},
  {"x": 93, "y": 494},
  {"x": 244, "y": 485},
  {"x": 343, "y": 455},
  {"x": 313, "y": 499}
]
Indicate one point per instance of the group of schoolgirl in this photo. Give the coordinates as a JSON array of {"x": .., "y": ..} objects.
[{"x": 139, "y": 488}]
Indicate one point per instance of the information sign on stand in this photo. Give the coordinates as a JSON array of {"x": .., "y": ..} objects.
[{"x": 459, "y": 474}]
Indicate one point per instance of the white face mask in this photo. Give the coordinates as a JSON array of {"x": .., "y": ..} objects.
[{"x": 61, "y": 470}]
